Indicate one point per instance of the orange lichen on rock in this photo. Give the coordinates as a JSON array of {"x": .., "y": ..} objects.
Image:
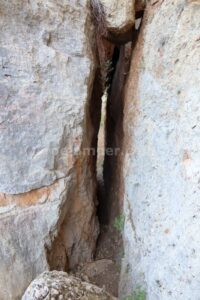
[{"x": 27, "y": 199}]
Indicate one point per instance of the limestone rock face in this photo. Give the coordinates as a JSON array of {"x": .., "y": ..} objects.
[
  {"x": 42, "y": 106},
  {"x": 58, "y": 285},
  {"x": 47, "y": 183},
  {"x": 162, "y": 162},
  {"x": 120, "y": 15}
]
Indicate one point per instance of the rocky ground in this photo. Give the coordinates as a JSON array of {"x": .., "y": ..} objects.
[{"x": 104, "y": 271}]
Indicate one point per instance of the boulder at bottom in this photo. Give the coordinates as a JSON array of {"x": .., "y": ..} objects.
[{"x": 61, "y": 286}]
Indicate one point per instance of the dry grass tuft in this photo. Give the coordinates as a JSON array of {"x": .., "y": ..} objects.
[
  {"x": 99, "y": 20},
  {"x": 99, "y": 17}
]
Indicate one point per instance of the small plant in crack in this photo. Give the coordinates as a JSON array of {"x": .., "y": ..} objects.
[
  {"x": 137, "y": 294},
  {"x": 128, "y": 267},
  {"x": 119, "y": 223},
  {"x": 107, "y": 68},
  {"x": 119, "y": 260},
  {"x": 142, "y": 64}
]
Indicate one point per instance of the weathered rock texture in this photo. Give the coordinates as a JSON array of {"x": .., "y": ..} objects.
[
  {"x": 162, "y": 165},
  {"x": 47, "y": 184},
  {"x": 119, "y": 15},
  {"x": 58, "y": 285},
  {"x": 104, "y": 273}
]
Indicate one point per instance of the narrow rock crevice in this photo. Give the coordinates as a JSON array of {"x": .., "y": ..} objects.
[
  {"x": 111, "y": 191},
  {"x": 110, "y": 184},
  {"x": 103, "y": 205},
  {"x": 102, "y": 150},
  {"x": 109, "y": 245}
]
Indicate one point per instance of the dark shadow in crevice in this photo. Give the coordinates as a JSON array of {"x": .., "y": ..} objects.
[
  {"x": 110, "y": 191},
  {"x": 103, "y": 209},
  {"x": 110, "y": 188}
]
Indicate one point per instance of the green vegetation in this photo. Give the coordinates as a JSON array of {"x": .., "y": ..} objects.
[
  {"x": 137, "y": 294},
  {"x": 142, "y": 64},
  {"x": 119, "y": 223},
  {"x": 128, "y": 268}
]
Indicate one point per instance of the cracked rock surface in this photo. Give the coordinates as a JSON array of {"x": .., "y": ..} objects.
[
  {"x": 161, "y": 166},
  {"x": 47, "y": 187},
  {"x": 59, "y": 286}
]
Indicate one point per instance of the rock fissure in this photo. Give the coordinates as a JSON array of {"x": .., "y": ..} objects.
[
  {"x": 99, "y": 144},
  {"x": 116, "y": 52},
  {"x": 50, "y": 119}
]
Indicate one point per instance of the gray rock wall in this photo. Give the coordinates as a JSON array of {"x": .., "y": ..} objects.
[
  {"x": 43, "y": 95},
  {"x": 47, "y": 184},
  {"x": 161, "y": 168}
]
